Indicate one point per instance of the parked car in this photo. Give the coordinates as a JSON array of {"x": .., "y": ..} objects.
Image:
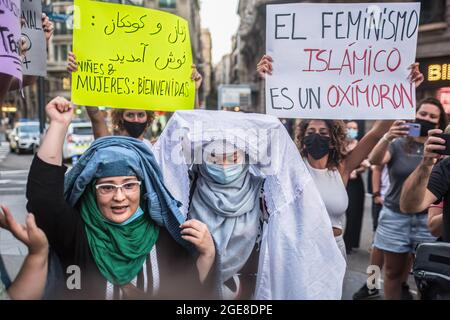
[
  {"x": 24, "y": 137},
  {"x": 79, "y": 137}
]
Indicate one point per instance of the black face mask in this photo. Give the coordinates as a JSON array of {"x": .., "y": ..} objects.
[
  {"x": 134, "y": 129},
  {"x": 425, "y": 126},
  {"x": 316, "y": 145}
]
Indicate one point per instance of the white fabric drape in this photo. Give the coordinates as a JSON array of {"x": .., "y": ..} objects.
[{"x": 299, "y": 258}]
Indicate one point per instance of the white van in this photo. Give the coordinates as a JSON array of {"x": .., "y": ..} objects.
[
  {"x": 79, "y": 137},
  {"x": 24, "y": 137}
]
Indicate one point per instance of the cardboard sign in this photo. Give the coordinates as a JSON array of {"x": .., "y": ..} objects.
[
  {"x": 342, "y": 61},
  {"x": 131, "y": 57},
  {"x": 35, "y": 62}
]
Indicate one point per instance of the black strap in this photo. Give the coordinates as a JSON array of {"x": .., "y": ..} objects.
[{"x": 193, "y": 175}]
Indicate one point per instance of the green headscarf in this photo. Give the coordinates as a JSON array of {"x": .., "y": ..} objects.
[{"x": 119, "y": 251}]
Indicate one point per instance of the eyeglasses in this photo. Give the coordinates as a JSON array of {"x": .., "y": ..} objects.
[{"x": 106, "y": 189}]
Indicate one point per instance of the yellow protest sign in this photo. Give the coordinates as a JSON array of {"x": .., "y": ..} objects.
[{"x": 131, "y": 57}]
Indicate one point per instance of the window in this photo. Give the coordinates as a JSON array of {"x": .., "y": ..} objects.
[
  {"x": 56, "y": 53},
  {"x": 432, "y": 11},
  {"x": 171, "y": 4},
  {"x": 64, "y": 52},
  {"x": 61, "y": 28}
]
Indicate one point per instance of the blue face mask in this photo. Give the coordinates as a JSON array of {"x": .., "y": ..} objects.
[
  {"x": 139, "y": 212},
  {"x": 352, "y": 133},
  {"x": 224, "y": 175}
]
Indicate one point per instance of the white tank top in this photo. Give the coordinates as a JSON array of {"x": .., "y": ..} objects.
[{"x": 333, "y": 193}]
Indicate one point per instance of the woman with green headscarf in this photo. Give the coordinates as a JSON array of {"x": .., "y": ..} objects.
[{"x": 116, "y": 229}]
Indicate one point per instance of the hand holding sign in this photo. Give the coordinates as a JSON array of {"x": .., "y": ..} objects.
[
  {"x": 415, "y": 76},
  {"x": 265, "y": 66},
  {"x": 196, "y": 76},
  {"x": 48, "y": 27}
]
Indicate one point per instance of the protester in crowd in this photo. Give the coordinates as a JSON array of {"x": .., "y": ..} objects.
[
  {"x": 356, "y": 194},
  {"x": 115, "y": 220},
  {"x": 127, "y": 122},
  {"x": 436, "y": 211},
  {"x": 397, "y": 233},
  {"x": 322, "y": 145},
  {"x": 380, "y": 185},
  {"x": 226, "y": 196},
  {"x": 251, "y": 187},
  {"x": 30, "y": 281},
  {"x": 429, "y": 184}
]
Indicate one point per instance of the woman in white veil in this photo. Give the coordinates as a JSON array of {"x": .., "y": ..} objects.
[{"x": 297, "y": 257}]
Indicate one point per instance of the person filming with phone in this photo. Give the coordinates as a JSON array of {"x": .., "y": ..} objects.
[
  {"x": 430, "y": 181},
  {"x": 397, "y": 234}
]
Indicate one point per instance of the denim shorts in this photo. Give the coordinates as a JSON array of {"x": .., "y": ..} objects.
[{"x": 401, "y": 232}]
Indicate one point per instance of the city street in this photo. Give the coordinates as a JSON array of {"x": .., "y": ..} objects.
[{"x": 13, "y": 176}]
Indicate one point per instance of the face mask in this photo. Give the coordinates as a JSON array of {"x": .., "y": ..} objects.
[
  {"x": 352, "y": 133},
  {"x": 134, "y": 129},
  {"x": 316, "y": 145},
  {"x": 139, "y": 212},
  {"x": 224, "y": 175},
  {"x": 425, "y": 126}
]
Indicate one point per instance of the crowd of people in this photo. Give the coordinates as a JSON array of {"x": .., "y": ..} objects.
[{"x": 139, "y": 224}]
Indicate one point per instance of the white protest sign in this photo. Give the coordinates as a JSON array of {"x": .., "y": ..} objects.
[
  {"x": 341, "y": 61},
  {"x": 35, "y": 62}
]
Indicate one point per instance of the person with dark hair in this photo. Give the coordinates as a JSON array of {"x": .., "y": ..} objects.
[
  {"x": 429, "y": 187},
  {"x": 397, "y": 233},
  {"x": 323, "y": 147}
]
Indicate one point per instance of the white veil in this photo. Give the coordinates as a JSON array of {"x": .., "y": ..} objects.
[{"x": 299, "y": 258}]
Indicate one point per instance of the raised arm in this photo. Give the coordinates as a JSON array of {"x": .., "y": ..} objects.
[
  {"x": 380, "y": 154},
  {"x": 415, "y": 196},
  {"x": 30, "y": 282},
  {"x": 60, "y": 113},
  {"x": 365, "y": 146}
]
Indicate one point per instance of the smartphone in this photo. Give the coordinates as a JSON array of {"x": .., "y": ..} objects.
[
  {"x": 446, "y": 137},
  {"x": 413, "y": 129}
]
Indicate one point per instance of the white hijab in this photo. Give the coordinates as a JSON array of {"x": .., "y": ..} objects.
[{"x": 299, "y": 258}]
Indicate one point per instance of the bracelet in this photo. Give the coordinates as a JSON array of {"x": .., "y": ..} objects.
[
  {"x": 386, "y": 139},
  {"x": 376, "y": 194}
]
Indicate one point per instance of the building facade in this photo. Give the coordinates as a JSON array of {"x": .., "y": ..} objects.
[
  {"x": 433, "y": 48},
  {"x": 206, "y": 67}
]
